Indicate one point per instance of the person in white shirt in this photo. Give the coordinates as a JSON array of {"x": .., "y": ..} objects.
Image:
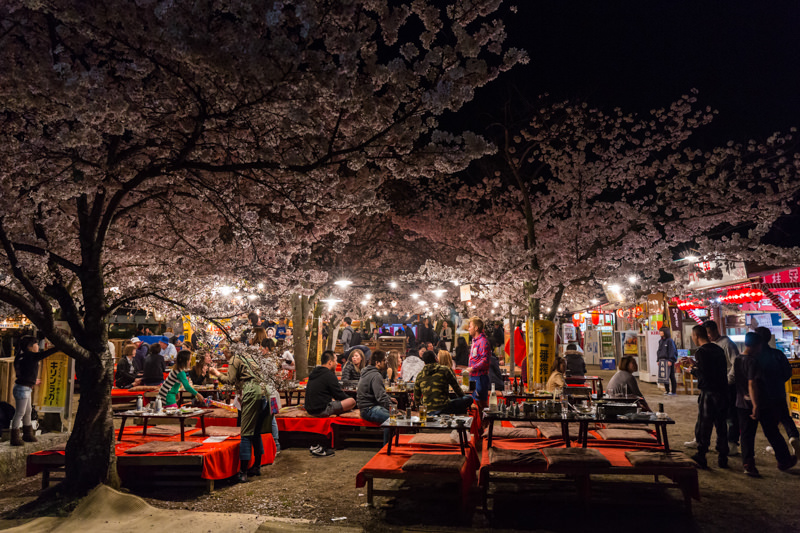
[{"x": 168, "y": 351}]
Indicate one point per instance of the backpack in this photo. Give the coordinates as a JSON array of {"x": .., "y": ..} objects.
[{"x": 355, "y": 339}]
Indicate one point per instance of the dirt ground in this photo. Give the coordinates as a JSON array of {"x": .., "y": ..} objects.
[{"x": 299, "y": 485}]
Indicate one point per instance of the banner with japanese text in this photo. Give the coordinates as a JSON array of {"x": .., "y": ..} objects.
[
  {"x": 54, "y": 388},
  {"x": 542, "y": 347}
]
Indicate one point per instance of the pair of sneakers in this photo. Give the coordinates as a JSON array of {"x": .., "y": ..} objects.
[{"x": 320, "y": 451}]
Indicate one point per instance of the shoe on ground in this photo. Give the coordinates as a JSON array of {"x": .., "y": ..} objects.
[
  {"x": 254, "y": 471},
  {"x": 786, "y": 466},
  {"x": 691, "y": 444},
  {"x": 733, "y": 448},
  {"x": 316, "y": 449},
  {"x": 666, "y": 394},
  {"x": 722, "y": 461},
  {"x": 325, "y": 452},
  {"x": 794, "y": 442},
  {"x": 700, "y": 460},
  {"x": 673, "y": 393},
  {"x": 241, "y": 477},
  {"x": 751, "y": 471}
]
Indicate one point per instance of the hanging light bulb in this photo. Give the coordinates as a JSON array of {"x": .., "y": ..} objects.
[
  {"x": 414, "y": 295},
  {"x": 343, "y": 283},
  {"x": 393, "y": 284},
  {"x": 439, "y": 292},
  {"x": 394, "y": 304}
]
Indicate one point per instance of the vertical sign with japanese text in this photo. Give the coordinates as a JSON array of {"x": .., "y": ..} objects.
[
  {"x": 54, "y": 388},
  {"x": 542, "y": 347}
]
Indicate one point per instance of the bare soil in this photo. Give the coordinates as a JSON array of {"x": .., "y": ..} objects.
[{"x": 300, "y": 485}]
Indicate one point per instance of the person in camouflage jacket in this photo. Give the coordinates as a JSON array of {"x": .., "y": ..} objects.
[{"x": 432, "y": 388}]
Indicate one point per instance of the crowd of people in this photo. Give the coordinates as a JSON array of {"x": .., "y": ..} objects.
[{"x": 428, "y": 364}]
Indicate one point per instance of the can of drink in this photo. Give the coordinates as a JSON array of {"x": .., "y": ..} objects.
[
  {"x": 408, "y": 413},
  {"x": 661, "y": 408}
]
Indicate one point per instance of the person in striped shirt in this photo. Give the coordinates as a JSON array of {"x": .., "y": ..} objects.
[{"x": 177, "y": 377}]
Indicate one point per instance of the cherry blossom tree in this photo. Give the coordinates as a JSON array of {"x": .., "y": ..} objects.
[
  {"x": 576, "y": 197},
  {"x": 152, "y": 150}
]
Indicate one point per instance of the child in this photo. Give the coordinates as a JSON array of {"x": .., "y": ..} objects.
[{"x": 177, "y": 377}]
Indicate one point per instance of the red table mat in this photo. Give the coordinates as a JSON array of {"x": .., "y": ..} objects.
[
  {"x": 220, "y": 459},
  {"x": 382, "y": 463}
]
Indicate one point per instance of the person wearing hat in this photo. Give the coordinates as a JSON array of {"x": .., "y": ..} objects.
[
  {"x": 168, "y": 350},
  {"x": 140, "y": 355}
]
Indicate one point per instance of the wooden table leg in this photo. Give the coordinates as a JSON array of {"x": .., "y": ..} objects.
[
  {"x": 182, "y": 421},
  {"x": 491, "y": 427},
  {"x": 369, "y": 492},
  {"x": 462, "y": 436},
  {"x": 121, "y": 428},
  {"x": 585, "y": 426},
  {"x": 144, "y": 426},
  {"x": 392, "y": 434},
  {"x": 664, "y": 434},
  {"x": 203, "y": 423},
  {"x": 45, "y": 478},
  {"x": 565, "y": 432}
]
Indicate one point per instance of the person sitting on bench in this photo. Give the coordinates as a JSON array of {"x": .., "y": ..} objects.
[
  {"x": 324, "y": 394},
  {"x": 432, "y": 388}
]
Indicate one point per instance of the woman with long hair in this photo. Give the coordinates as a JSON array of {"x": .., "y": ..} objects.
[
  {"x": 355, "y": 364},
  {"x": 556, "y": 379},
  {"x": 445, "y": 359},
  {"x": 392, "y": 365},
  {"x": 259, "y": 336},
  {"x": 177, "y": 377}
]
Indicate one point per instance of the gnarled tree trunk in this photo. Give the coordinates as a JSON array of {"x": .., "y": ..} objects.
[
  {"x": 90, "y": 457},
  {"x": 300, "y": 308}
]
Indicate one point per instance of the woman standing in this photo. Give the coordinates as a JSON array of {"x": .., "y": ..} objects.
[
  {"x": 668, "y": 352},
  {"x": 26, "y": 365},
  {"x": 256, "y": 415}
]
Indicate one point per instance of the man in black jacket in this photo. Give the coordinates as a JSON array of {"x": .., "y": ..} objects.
[
  {"x": 373, "y": 401},
  {"x": 324, "y": 394},
  {"x": 710, "y": 367}
]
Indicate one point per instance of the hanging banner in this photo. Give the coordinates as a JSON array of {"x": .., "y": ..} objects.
[
  {"x": 54, "y": 388},
  {"x": 656, "y": 309},
  {"x": 466, "y": 293},
  {"x": 542, "y": 347}
]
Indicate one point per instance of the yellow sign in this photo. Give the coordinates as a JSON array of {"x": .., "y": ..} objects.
[
  {"x": 55, "y": 382},
  {"x": 541, "y": 350}
]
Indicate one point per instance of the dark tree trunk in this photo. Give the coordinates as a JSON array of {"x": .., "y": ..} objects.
[
  {"x": 90, "y": 457},
  {"x": 300, "y": 335},
  {"x": 312, "y": 348}
]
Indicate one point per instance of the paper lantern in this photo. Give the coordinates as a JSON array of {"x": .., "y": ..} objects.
[
  {"x": 576, "y": 319},
  {"x": 595, "y": 317},
  {"x": 794, "y": 301},
  {"x": 619, "y": 313}
]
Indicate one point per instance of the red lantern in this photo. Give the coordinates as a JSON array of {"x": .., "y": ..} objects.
[
  {"x": 794, "y": 301},
  {"x": 576, "y": 320},
  {"x": 595, "y": 317},
  {"x": 659, "y": 324},
  {"x": 619, "y": 313}
]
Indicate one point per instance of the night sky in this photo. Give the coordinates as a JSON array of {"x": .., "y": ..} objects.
[{"x": 743, "y": 57}]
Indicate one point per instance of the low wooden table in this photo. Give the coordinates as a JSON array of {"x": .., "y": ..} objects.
[
  {"x": 434, "y": 423},
  {"x": 583, "y": 423},
  {"x": 596, "y": 381},
  {"x": 147, "y": 415}
]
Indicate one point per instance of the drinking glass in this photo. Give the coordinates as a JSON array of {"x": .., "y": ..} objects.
[{"x": 393, "y": 415}]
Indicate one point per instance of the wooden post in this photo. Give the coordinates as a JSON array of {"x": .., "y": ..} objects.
[{"x": 511, "y": 353}]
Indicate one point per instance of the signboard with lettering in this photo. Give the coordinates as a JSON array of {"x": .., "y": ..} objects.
[
  {"x": 713, "y": 273},
  {"x": 466, "y": 293},
  {"x": 54, "y": 388},
  {"x": 542, "y": 345}
]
